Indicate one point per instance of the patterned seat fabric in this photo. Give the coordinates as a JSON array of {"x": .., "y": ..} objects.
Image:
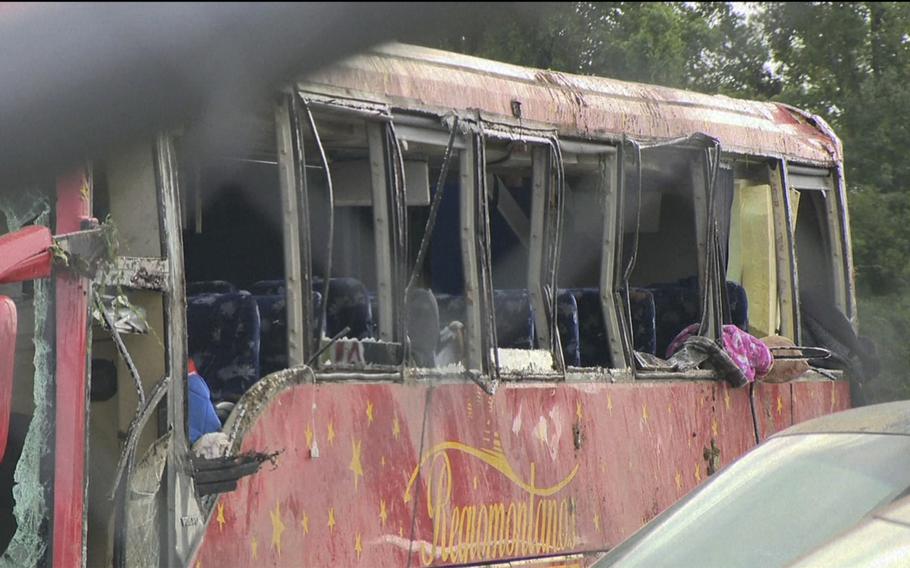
[
  {"x": 224, "y": 341},
  {"x": 644, "y": 325},
  {"x": 514, "y": 319},
  {"x": 273, "y": 339},
  {"x": 268, "y": 288},
  {"x": 209, "y": 287},
  {"x": 567, "y": 323},
  {"x": 348, "y": 304},
  {"x": 676, "y": 305},
  {"x": 592, "y": 333}
]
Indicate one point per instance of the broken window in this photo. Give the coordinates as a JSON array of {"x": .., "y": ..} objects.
[
  {"x": 663, "y": 237},
  {"x": 354, "y": 183},
  {"x": 586, "y": 305},
  {"x": 524, "y": 183},
  {"x": 758, "y": 268},
  {"x": 820, "y": 267},
  {"x": 24, "y": 495},
  {"x": 435, "y": 298},
  {"x": 233, "y": 254},
  {"x": 814, "y": 209}
]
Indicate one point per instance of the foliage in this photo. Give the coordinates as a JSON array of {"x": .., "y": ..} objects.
[{"x": 847, "y": 62}]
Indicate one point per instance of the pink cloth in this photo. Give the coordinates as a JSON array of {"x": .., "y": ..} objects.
[{"x": 751, "y": 355}]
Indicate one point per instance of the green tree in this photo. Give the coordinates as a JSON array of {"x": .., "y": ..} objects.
[
  {"x": 850, "y": 63},
  {"x": 847, "y": 62},
  {"x": 705, "y": 46}
]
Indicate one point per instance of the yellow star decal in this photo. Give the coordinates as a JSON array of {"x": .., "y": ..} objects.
[
  {"x": 644, "y": 412},
  {"x": 277, "y": 528},
  {"x": 396, "y": 428},
  {"x": 331, "y": 524},
  {"x": 383, "y": 514},
  {"x": 355, "y": 466},
  {"x": 697, "y": 471},
  {"x": 220, "y": 517},
  {"x": 610, "y": 404},
  {"x": 727, "y": 401},
  {"x": 330, "y": 434},
  {"x": 678, "y": 479},
  {"x": 309, "y": 436},
  {"x": 369, "y": 411},
  {"x": 714, "y": 426},
  {"x": 254, "y": 548},
  {"x": 596, "y": 521},
  {"x": 578, "y": 411},
  {"x": 780, "y": 405},
  {"x": 305, "y": 523},
  {"x": 358, "y": 547}
]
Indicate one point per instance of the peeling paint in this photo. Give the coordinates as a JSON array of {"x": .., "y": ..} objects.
[{"x": 588, "y": 107}]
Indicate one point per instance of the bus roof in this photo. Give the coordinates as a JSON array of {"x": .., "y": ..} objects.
[{"x": 416, "y": 78}]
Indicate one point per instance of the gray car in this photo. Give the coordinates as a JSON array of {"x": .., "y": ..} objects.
[{"x": 805, "y": 497}]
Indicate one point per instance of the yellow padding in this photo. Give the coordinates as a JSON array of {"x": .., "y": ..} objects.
[{"x": 752, "y": 261}]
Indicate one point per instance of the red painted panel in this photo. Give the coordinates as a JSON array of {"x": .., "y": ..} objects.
[
  {"x": 71, "y": 344},
  {"x": 25, "y": 254},
  {"x": 8, "y": 329},
  {"x": 813, "y": 399},
  {"x": 773, "y": 404},
  {"x": 537, "y": 469}
]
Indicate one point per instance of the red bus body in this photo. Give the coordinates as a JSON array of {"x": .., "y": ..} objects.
[
  {"x": 538, "y": 470},
  {"x": 401, "y": 472}
]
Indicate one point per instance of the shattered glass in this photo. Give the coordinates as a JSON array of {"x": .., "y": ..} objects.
[{"x": 28, "y": 545}]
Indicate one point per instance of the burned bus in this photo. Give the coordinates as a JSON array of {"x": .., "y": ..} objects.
[{"x": 435, "y": 300}]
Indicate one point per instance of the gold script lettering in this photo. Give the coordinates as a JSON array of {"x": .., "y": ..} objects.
[{"x": 490, "y": 530}]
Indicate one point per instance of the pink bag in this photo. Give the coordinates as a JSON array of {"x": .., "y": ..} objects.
[{"x": 751, "y": 355}]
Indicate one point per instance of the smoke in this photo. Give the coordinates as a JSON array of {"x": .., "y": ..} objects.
[{"x": 79, "y": 79}]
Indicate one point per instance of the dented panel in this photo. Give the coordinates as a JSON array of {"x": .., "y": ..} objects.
[
  {"x": 435, "y": 475},
  {"x": 420, "y": 79}
]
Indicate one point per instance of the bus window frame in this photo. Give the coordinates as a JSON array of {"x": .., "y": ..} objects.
[
  {"x": 842, "y": 217},
  {"x": 184, "y": 512},
  {"x": 428, "y": 131},
  {"x": 543, "y": 242},
  {"x": 609, "y": 271},
  {"x": 694, "y": 147},
  {"x": 290, "y": 127},
  {"x": 296, "y": 242},
  {"x": 785, "y": 251},
  {"x": 611, "y": 299},
  {"x": 807, "y": 179}
]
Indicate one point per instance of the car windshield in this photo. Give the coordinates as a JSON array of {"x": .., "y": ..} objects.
[{"x": 783, "y": 499}]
